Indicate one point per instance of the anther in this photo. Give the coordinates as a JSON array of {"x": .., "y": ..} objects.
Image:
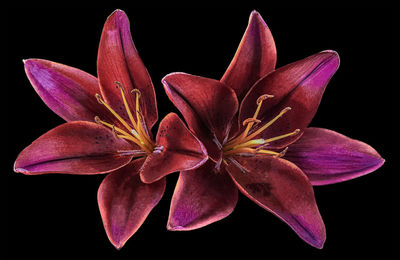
[
  {"x": 119, "y": 85},
  {"x": 98, "y": 97},
  {"x": 251, "y": 120},
  {"x": 263, "y": 97},
  {"x": 97, "y": 120},
  {"x": 136, "y": 91}
]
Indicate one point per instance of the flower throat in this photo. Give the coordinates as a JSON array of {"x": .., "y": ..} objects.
[
  {"x": 136, "y": 132},
  {"x": 245, "y": 144}
]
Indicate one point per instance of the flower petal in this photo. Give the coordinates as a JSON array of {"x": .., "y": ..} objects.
[
  {"x": 281, "y": 188},
  {"x": 125, "y": 202},
  {"x": 77, "y": 147},
  {"x": 207, "y": 105},
  {"x": 255, "y": 57},
  {"x": 201, "y": 197},
  {"x": 118, "y": 60},
  {"x": 299, "y": 85},
  {"x": 68, "y": 91},
  {"x": 179, "y": 150},
  {"x": 328, "y": 157}
]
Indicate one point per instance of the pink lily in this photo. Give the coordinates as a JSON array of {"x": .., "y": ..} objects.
[
  {"x": 254, "y": 124},
  {"x": 108, "y": 130}
]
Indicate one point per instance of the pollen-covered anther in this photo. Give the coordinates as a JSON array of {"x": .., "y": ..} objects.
[
  {"x": 255, "y": 121},
  {"x": 136, "y": 91},
  {"x": 261, "y": 98}
]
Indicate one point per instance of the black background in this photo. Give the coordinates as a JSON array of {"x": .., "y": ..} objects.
[{"x": 57, "y": 215}]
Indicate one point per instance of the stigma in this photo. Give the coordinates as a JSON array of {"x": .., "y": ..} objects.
[
  {"x": 135, "y": 130},
  {"x": 246, "y": 143}
]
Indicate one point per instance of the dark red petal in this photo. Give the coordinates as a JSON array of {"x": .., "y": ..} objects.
[
  {"x": 177, "y": 150},
  {"x": 201, "y": 197},
  {"x": 328, "y": 157},
  {"x": 299, "y": 85},
  {"x": 68, "y": 91},
  {"x": 125, "y": 202},
  {"x": 77, "y": 147},
  {"x": 207, "y": 105},
  {"x": 118, "y": 60},
  {"x": 281, "y": 188},
  {"x": 255, "y": 57}
]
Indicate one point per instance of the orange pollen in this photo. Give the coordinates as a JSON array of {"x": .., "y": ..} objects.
[
  {"x": 247, "y": 144},
  {"x": 135, "y": 131}
]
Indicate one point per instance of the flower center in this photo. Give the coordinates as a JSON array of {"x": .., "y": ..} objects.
[
  {"x": 136, "y": 131},
  {"x": 246, "y": 144}
]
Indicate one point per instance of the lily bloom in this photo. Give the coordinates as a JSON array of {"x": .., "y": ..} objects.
[
  {"x": 254, "y": 124},
  {"x": 108, "y": 130}
]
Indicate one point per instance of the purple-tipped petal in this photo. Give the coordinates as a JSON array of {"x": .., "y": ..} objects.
[
  {"x": 207, "y": 105},
  {"x": 328, "y": 157},
  {"x": 255, "y": 57},
  {"x": 299, "y": 85},
  {"x": 125, "y": 202},
  {"x": 282, "y": 188},
  {"x": 68, "y": 91},
  {"x": 177, "y": 150},
  {"x": 118, "y": 60},
  {"x": 201, "y": 197},
  {"x": 77, "y": 147}
]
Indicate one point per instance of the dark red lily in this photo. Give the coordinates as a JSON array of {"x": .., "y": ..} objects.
[
  {"x": 254, "y": 124},
  {"x": 108, "y": 130}
]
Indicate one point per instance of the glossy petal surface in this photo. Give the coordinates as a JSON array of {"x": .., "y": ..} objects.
[
  {"x": 118, "y": 60},
  {"x": 328, "y": 157},
  {"x": 283, "y": 189},
  {"x": 299, "y": 85},
  {"x": 201, "y": 197},
  {"x": 125, "y": 202},
  {"x": 207, "y": 105},
  {"x": 255, "y": 57},
  {"x": 77, "y": 147},
  {"x": 68, "y": 91},
  {"x": 181, "y": 150}
]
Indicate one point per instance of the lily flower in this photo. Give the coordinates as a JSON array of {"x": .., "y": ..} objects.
[
  {"x": 108, "y": 130},
  {"x": 254, "y": 124}
]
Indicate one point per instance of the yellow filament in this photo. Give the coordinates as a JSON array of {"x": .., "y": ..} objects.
[
  {"x": 101, "y": 101},
  {"x": 245, "y": 144},
  {"x": 267, "y": 124},
  {"x": 126, "y": 104},
  {"x": 136, "y": 133}
]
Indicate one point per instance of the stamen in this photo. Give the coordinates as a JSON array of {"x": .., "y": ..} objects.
[
  {"x": 251, "y": 143},
  {"x": 267, "y": 124},
  {"x": 101, "y": 101},
  {"x": 261, "y": 98},
  {"x": 114, "y": 132},
  {"x": 119, "y": 85},
  {"x": 295, "y": 132},
  {"x": 251, "y": 120}
]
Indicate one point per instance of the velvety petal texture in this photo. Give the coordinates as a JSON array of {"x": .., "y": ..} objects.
[
  {"x": 201, "y": 197},
  {"x": 177, "y": 149},
  {"x": 68, "y": 91},
  {"x": 77, "y": 147},
  {"x": 328, "y": 157},
  {"x": 255, "y": 57},
  {"x": 299, "y": 85},
  {"x": 207, "y": 105},
  {"x": 118, "y": 60},
  {"x": 125, "y": 202},
  {"x": 283, "y": 189}
]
